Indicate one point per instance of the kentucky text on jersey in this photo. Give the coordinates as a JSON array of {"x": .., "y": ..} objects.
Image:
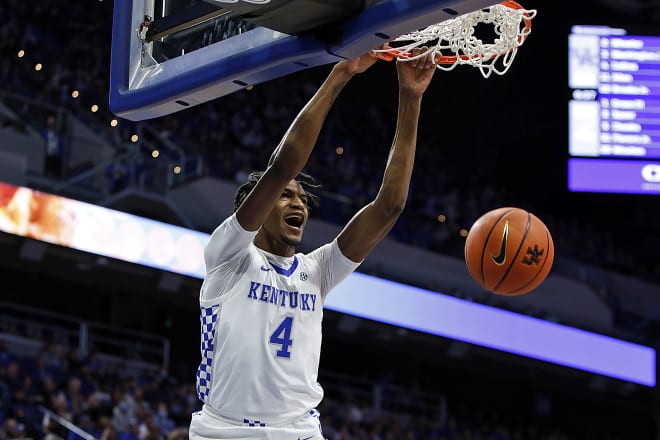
[{"x": 282, "y": 298}]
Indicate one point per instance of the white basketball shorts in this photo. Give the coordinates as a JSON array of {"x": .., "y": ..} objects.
[{"x": 207, "y": 426}]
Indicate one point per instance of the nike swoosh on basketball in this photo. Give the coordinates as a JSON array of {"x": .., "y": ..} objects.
[
  {"x": 501, "y": 258},
  {"x": 266, "y": 269}
]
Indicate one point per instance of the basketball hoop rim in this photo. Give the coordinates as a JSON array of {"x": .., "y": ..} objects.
[{"x": 391, "y": 53}]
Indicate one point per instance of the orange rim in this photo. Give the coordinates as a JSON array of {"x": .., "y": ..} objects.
[{"x": 451, "y": 59}]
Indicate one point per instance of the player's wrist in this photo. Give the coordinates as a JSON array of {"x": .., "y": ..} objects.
[
  {"x": 343, "y": 69},
  {"x": 410, "y": 93}
]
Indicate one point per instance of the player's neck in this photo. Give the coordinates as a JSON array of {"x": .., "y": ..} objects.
[{"x": 273, "y": 246}]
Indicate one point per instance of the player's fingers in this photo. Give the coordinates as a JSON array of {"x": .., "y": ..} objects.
[
  {"x": 415, "y": 61},
  {"x": 425, "y": 61},
  {"x": 429, "y": 60}
]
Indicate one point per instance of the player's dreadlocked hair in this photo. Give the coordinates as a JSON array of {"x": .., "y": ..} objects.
[{"x": 305, "y": 180}]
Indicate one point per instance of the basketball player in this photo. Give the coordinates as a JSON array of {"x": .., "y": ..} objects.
[{"x": 261, "y": 302}]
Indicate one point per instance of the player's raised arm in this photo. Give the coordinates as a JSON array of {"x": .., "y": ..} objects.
[
  {"x": 294, "y": 149},
  {"x": 372, "y": 223}
]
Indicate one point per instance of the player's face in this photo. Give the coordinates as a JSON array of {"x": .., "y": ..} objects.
[{"x": 286, "y": 222}]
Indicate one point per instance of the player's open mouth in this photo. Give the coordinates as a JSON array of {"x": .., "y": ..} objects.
[{"x": 294, "y": 220}]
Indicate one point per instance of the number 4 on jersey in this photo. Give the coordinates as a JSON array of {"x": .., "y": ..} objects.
[{"x": 282, "y": 336}]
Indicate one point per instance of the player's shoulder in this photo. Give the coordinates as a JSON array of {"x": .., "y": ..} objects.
[
  {"x": 318, "y": 254},
  {"x": 230, "y": 229},
  {"x": 228, "y": 242}
]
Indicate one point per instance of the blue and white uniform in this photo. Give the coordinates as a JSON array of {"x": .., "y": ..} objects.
[{"x": 261, "y": 320}]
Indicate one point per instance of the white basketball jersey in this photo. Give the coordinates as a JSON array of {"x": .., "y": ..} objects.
[{"x": 261, "y": 327}]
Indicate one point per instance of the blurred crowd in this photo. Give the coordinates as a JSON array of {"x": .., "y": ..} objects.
[
  {"x": 39, "y": 394},
  {"x": 236, "y": 135},
  {"x": 36, "y": 392},
  {"x": 107, "y": 403}
]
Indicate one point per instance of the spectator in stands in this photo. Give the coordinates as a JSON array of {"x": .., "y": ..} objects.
[
  {"x": 162, "y": 419},
  {"x": 53, "y": 355},
  {"x": 40, "y": 371},
  {"x": 13, "y": 377},
  {"x": 11, "y": 429},
  {"x": 118, "y": 172},
  {"x": 53, "y": 143},
  {"x": 74, "y": 396},
  {"x": 108, "y": 432},
  {"x": 132, "y": 431},
  {"x": 123, "y": 413},
  {"x": 6, "y": 357}
]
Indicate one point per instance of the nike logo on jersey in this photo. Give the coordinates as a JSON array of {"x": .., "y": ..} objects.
[
  {"x": 265, "y": 269},
  {"x": 501, "y": 258},
  {"x": 306, "y": 438}
]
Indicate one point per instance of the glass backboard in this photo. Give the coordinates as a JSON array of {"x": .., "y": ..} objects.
[{"x": 169, "y": 55}]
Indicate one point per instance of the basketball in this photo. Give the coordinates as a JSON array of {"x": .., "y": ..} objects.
[{"x": 509, "y": 251}]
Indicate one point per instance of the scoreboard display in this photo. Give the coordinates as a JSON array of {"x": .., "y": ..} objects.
[{"x": 614, "y": 111}]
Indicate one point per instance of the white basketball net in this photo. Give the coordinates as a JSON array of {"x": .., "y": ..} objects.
[{"x": 457, "y": 44}]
